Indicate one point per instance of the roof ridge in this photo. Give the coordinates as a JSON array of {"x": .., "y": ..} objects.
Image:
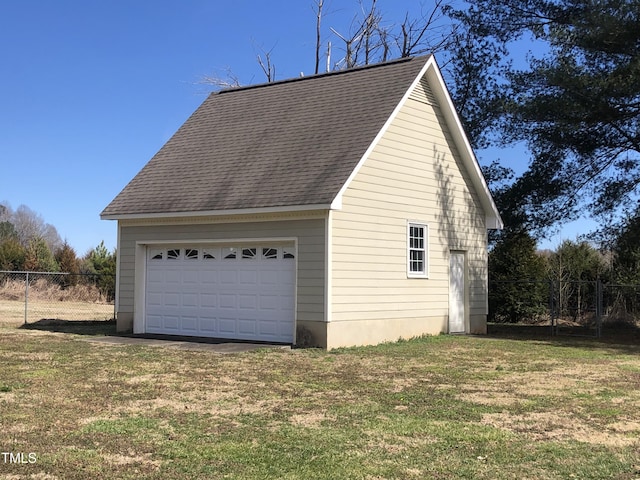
[{"x": 319, "y": 75}]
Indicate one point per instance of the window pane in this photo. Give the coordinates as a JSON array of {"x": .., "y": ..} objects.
[
  {"x": 209, "y": 253},
  {"x": 229, "y": 253},
  {"x": 173, "y": 254},
  {"x": 270, "y": 253},
  {"x": 416, "y": 254},
  {"x": 191, "y": 253},
  {"x": 248, "y": 253}
]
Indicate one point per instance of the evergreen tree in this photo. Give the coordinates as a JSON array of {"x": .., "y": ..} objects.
[
  {"x": 103, "y": 264},
  {"x": 12, "y": 254},
  {"x": 68, "y": 263},
  {"x": 626, "y": 249},
  {"x": 575, "y": 105},
  {"x": 574, "y": 268},
  {"x": 518, "y": 285},
  {"x": 38, "y": 257}
]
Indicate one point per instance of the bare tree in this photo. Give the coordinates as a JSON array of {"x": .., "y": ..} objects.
[
  {"x": 363, "y": 40},
  {"x": 30, "y": 225},
  {"x": 267, "y": 66},
  {"x": 369, "y": 40},
  {"x": 226, "y": 79},
  {"x": 424, "y": 34},
  {"x": 318, "y": 4}
]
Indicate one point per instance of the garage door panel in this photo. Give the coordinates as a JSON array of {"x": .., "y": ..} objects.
[
  {"x": 248, "y": 302},
  {"x": 227, "y": 325},
  {"x": 154, "y": 299},
  {"x": 248, "y": 297},
  {"x": 269, "y": 302},
  {"x": 269, "y": 328},
  {"x": 209, "y": 277},
  {"x": 228, "y": 277},
  {"x": 190, "y": 324},
  {"x": 246, "y": 326},
  {"x": 190, "y": 277},
  {"x": 247, "y": 276},
  {"x": 208, "y": 300},
  {"x": 228, "y": 301},
  {"x": 171, "y": 322},
  {"x": 154, "y": 321},
  {"x": 190, "y": 300}
]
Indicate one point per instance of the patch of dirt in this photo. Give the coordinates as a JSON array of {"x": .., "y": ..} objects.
[
  {"x": 310, "y": 420},
  {"x": 545, "y": 426},
  {"x": 514, "y": 387},
  {"x": 28, "y": 357},
  {"x": 120, "y": 460},
  {"x": 7, "y": 397}
]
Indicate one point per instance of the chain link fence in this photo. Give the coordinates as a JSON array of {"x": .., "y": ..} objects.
[
  {"x": 34, "y": 296},
  {"x": 566, "y": 307}
]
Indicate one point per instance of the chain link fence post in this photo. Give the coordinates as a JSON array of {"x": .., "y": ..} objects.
[{"x": 26, "y": 298}]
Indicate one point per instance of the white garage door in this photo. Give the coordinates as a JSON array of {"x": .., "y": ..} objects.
[{"x": 243, "y": 292}]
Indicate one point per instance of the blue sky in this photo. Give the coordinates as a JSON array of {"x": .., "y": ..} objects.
[{"x": 90, "y": 90}]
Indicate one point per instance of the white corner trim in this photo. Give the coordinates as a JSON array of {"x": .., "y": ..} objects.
[
  {"x": 118, "y": 260},
  {"x": 139, "y": 289},
  {"x": 328, "y": 254}
]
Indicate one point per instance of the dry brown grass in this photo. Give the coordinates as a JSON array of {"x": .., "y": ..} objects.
[
  {"x": 46, "y": 289},
  {"x": 441, "y": 407}
]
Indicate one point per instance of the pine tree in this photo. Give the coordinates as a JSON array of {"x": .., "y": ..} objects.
[
  {"x": 68, "y": 263},
  {"x": 38, "y": 257},
  {"x": 518, "y": 287}
]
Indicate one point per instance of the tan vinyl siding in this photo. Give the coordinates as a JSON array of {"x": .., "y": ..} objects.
[
  {"x": 310, "y": 234},
  {"x": 415, "y": 174}
]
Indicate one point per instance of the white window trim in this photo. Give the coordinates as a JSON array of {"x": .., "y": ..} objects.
[{"x": 425, "y": 226}]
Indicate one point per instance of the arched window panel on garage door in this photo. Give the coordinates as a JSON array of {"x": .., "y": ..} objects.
[
  {"x": 191, "y": 253},
  {"x": 229, "y": 253},
  {"x": 210, "y": 253},
  {"x": 156, "y": 254},
  {"x": 270, "y": 253}
]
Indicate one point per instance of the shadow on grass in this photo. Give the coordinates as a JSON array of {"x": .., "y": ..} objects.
[
  {"x": 79, "y": 327},
  {"x": 624, "y": 337},
  {"x": 107, "y": 328}
]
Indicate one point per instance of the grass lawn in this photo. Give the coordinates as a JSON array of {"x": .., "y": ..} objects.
[{"x": 445, "y": 407}]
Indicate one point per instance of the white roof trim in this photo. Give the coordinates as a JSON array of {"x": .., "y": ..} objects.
[
  {"x": 432, "y": 72},
  {"x": 211, "y": 213},
  {"x": 493, "y": 219},
  {"x": 336, "y": 204}
]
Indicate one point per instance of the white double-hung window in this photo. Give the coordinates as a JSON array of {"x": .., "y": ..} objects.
[{"x": 417, "y": 246}]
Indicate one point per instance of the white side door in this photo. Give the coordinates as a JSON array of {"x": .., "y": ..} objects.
[{"x": 456, "y": 292}]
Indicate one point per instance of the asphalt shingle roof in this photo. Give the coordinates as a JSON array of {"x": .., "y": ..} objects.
[{"x": 288, "y": 143}]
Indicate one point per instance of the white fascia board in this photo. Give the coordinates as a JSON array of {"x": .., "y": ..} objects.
[
  {"x": 432, "y": 71},
  {"x": 337, "y": 201},
  {"x": 212, "y": 213},
  {"x": 438, "y": 86}
]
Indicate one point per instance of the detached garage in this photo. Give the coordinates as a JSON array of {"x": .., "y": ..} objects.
[{"x": 332, "y": 210}]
